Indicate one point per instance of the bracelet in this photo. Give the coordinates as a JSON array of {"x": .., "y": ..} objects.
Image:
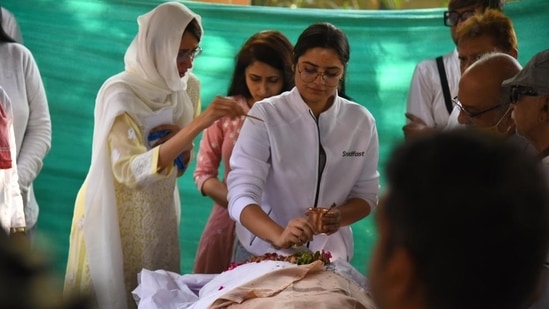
[{"x": 14, "y": 230}]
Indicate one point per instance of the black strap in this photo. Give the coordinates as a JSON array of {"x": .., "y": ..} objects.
[{"x": 444, "y": 83}]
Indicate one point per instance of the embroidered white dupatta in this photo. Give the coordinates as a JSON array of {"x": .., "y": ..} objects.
[{"x": 149, "y": 83}]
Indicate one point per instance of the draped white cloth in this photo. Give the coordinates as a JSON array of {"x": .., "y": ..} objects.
[
  {"x": 12, "y": 214},
  {"x": 162, "y": 289}
]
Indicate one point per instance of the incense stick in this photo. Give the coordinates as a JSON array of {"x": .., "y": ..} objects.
[{"x": 254, "y": 117}]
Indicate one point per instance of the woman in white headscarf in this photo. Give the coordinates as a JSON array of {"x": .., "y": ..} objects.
[{"x": 127, "y": 212}]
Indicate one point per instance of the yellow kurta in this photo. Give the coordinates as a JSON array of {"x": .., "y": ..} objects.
[{"x": 146, "y": 210}]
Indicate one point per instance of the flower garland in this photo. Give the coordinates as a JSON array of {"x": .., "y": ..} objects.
[{"x": 300, "y": 258}]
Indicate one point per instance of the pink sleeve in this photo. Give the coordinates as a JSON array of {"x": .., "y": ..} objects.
[{"x": 209, "y": 154}]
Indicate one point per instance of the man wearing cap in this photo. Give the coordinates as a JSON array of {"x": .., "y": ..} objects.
[
  {"x": 435, "y": 81},
  {"x": 530, "y": 98},
  {"x": 529, "y": 95}
]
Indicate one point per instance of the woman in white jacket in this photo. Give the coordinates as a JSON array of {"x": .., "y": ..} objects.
[{"x": 313, "y": 149}]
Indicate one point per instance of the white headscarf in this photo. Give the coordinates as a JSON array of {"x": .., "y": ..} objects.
[{"x": 150, "y": 83}]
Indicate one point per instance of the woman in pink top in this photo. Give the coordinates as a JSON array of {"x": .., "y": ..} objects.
[{"x": 263, "y": 69}]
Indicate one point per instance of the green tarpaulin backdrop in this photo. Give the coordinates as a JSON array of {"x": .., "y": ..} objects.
[{"x": 79, "y": 43}]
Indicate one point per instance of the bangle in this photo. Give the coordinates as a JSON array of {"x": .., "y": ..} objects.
[{"x": 14, "y": 230}]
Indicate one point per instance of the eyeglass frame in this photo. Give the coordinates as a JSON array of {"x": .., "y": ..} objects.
[
  {"x": 457, "y": 103},
  {"x": 517, "y": 91},
  {"x": 193, "y": 53},
  {"x": 460, "y": 17},
  {"x": 321, "y": 74}
]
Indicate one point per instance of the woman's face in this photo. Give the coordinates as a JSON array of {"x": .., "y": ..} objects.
[
  {"x": 263, "y": 80},
  {"x": 187, "y": 49},
  {"x": 317, "y": 74}
]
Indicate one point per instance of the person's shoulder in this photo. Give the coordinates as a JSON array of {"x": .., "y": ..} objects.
[
  {"x": 117, "y": 84},
  {"x": 355, "y": 109},
  {"x": 432, "y": 62},
  {"x": 285, "y": 107},
  {"x": 350, "y": 103},
  {"x": 15, "y": 48},
  {"x": 281, "y": 101},
  {"x": 424, "y": 68}
]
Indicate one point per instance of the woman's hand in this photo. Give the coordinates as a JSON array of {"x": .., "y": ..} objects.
[
  {"x": 331, "y": 221},
  {"x": 297, "y": 232},
  {"x": 223, "y": 107}
]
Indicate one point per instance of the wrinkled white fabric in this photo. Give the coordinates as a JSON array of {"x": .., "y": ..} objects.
[
  {"x": 11, "y": 203},
  {"x": 149, "y": 83},
  {"x": 162, "y": 289},
  {"x": 156, "y": 286}
]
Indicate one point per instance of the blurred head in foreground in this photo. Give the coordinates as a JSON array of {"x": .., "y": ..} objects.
[{"x": 463, "y": 224}]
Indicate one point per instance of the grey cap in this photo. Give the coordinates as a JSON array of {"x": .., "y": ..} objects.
[{"x": 535, "y": 74}]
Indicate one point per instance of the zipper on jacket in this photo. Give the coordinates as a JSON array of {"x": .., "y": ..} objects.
[
  {"x": 321, "y": 164},
  {"x": 321, "y": 160}
]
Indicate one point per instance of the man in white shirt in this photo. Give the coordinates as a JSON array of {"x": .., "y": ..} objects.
[{"x": 428, "y": 107}]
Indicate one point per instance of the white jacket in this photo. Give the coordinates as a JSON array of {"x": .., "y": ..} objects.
[{"x": 275, "y": 164}]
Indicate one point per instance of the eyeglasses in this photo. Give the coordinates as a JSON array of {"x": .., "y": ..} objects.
[
  {"x": 310, "y": 74},
  {"x": 518, "y": 91},
  {"x": 471, "y": 115},
  {"x": 451, "y": 18},
  {"x": 190, "y": 54}
]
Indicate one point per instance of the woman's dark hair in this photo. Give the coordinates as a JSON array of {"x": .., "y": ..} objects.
[
  {"x": 325, "y": 35},
  {"x": 270, "y": 47},
  {"x": 4, "y": 37},
  {"x": 194, "y": 28}
]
